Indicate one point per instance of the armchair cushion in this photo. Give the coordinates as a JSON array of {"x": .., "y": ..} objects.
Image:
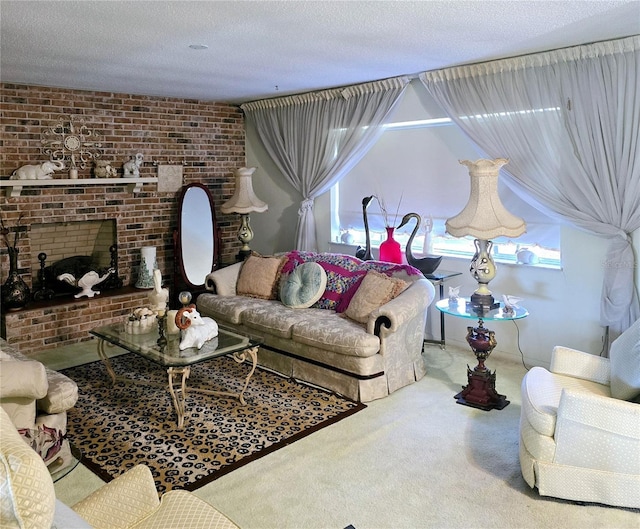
[
  {"x": 27, "y": 496},
  {"x": 121, "y": 502},
  {"x": 131, "y": 502},
  {"x": 541, "y": 392},
  {"x": 61, "y": 395},
  {"x": 23, "y": 379},
  {"x": 625, "y": 364},
  {"x": 578, "y": 364},
  {"x": 598, "y": 433}
]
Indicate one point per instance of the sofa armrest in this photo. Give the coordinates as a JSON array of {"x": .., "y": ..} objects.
[
  {"x": 578, "y": 364},
  {"x": 121, "y": 502},
  {"x": 415, "y": 299},
  {"x": 223, "y": 281},
  {"x": 597, "y": 432}
]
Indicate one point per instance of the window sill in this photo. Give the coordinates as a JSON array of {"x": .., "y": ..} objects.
[{"x": 350, "y": 249}]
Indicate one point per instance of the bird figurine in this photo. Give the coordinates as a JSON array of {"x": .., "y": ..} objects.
[
  {"x": 428, "y": 264},
  {"x": 365, "y": 253},
  {"x": 510, "y": 303},
  {"x": 87, "y": 281},
  {"x": 454, "y": 294}
]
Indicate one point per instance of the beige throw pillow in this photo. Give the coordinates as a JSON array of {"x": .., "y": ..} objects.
[
  {"x": 375, "y": 290},
  {"x": 259, "y": 277}
]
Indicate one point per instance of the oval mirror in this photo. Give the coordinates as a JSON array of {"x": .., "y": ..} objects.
[{"x": 198, "y": 238}]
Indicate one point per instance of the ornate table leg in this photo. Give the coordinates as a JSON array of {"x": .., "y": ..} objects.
[
  {"x": 481, "y": 389},
  {"x": 105, "y": 360},
  {"x": 238, "y": 357},
  {"x": 179, "y": 395},
  {"x": 241, "y": 357}
]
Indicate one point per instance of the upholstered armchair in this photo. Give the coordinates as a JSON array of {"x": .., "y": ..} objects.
[
  {"x": 36, "y": 399},
  {"x": 580, "y": 424},
  {"x": 27, "y": 497}
]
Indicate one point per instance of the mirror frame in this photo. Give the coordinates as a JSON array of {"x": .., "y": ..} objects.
[{"x": 216, "y": 240}]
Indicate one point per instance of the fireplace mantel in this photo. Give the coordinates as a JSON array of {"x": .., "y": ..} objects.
[{"x": 14, "y": 187}]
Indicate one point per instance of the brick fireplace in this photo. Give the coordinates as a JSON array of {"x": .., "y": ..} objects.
[{"x": 208, "y": 137}]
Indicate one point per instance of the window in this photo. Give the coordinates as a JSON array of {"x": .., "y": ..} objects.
[{"x": 414, "y": 167}]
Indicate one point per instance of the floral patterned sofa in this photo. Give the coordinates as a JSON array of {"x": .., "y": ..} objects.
[{"x": 350, "y": 326}]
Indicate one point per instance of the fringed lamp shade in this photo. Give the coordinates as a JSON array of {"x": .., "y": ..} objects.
[
  {"x": 244, "y": 201},
  {"x": 484, "y": 217}
]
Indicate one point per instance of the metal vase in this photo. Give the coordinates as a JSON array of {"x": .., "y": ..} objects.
[{"x": 15, "y": 292}]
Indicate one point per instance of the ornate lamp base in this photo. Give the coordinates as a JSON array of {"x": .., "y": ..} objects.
[{"x": 480, "y": 391}]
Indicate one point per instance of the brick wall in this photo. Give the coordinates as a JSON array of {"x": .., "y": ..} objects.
[{"x": 208, "y": 137}]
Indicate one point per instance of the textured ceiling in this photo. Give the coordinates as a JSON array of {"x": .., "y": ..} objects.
[{"x": 259, "y": 49}]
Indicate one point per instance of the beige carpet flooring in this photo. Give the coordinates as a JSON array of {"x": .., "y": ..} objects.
[{"x": 413, "y": 460}]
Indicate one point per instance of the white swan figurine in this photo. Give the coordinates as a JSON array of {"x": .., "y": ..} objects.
[{"x": 87, "y": 281}]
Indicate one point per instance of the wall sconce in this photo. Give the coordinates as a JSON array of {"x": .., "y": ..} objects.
[
  {"x": 244, "y": 201},
  {"x": 484, "y": 217}
]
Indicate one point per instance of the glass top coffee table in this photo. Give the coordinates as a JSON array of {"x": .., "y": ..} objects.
[{"x": 178, "y": 363}]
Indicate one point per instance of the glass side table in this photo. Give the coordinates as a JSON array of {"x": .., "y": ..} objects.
[
  {"x": 438, "y": 279},
  {"x": 480, "y": 391}
]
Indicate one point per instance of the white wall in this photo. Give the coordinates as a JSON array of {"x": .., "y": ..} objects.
[{"x": 564, "y": 305}]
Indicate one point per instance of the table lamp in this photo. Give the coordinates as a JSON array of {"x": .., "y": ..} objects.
[
  {"x": 484, "y": 217},
  {"x": 244, "y": 201}
]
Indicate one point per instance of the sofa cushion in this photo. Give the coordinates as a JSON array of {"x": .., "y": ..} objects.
[
  {"x": 340, "y": 335},
  {"x": 624, "y": 358},
  {"x": 375, "y": 290},
  {"x": 226, "y": 308},
  {"x": 274, "y": 318},
  {"x": 303, "y": 286},
  {"x": 259, "y": 277}
]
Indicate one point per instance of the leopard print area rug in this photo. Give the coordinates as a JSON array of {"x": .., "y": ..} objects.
[{"x": 118, "y": 427}]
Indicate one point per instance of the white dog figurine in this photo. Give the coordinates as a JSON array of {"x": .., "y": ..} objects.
[
  {"x": 132, "y": 167},
  {"x": 196, "y": 330}
]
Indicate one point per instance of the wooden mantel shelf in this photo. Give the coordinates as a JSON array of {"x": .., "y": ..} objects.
[{"x": 14, "y": 187}]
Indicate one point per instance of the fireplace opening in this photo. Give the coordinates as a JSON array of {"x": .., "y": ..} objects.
[{"x": 63, "y": 253}]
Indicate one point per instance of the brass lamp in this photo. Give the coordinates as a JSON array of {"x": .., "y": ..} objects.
[
  {"x": 484, "y": 217},
  {"x": 244, "y": 201}
]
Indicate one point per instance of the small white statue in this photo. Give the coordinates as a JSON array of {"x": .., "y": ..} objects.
[
  {"x": 510, "y": 303},
  {"x": 41, "y": 171},
  {"x": 196, "y": 330},
  {"x": 159, "y": 296},
  {"x": 87, "y": 281},
  {"x": 132, "y": 167},
  {"x": 454, "y": 292}
]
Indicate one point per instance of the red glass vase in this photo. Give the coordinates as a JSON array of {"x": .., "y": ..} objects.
[{"x": 390, "y": 250}]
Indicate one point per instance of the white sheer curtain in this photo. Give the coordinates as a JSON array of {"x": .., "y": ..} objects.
[
  {"x": 569, "y": 121},
  {"x": 316, "y": 138}
]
